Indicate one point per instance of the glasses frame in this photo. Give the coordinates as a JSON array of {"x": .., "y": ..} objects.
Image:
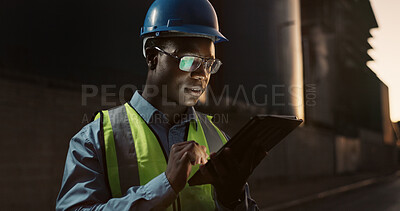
[{"x": 203, "y": 61}]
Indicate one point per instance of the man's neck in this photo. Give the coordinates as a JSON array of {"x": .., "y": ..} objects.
[{"x": 172, "y": 110}]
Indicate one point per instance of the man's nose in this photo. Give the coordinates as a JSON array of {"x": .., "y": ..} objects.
[{"x": 201, "y": 73}]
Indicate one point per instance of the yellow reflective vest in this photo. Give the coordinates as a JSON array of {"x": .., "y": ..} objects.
[{"x": 134, "y": 154}]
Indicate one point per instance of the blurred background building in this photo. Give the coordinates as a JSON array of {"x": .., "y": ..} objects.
[{"x": 62, "y": 61}]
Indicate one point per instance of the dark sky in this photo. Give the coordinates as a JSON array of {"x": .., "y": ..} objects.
[{"x": 81, "y": 41}]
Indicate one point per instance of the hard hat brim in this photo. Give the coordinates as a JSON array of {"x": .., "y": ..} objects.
[{"x": 188, "y": 30}]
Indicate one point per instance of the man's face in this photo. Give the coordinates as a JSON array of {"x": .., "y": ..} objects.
[{"x": 181, "y": 87}]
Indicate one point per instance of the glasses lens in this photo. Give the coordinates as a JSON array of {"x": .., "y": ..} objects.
[
  {"x": 186, "y": 63},
  {"x": 196, "y": 64},
  {"x": 192, "y": 63},
  {"x": 189, "y": 63},
  {"x": 208, "y": 64},
  {"x": 215, "y": 66}
]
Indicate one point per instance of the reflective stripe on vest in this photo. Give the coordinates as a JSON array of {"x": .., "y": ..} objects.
[{"x": 134, "y": 155}]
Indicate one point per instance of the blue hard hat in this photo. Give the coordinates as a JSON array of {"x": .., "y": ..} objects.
[{"x": 189, "y": 17}]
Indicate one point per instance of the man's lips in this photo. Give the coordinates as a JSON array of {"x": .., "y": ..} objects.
[{"x": 194, "y": 90}]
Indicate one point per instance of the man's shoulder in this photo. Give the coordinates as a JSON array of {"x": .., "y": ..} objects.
[
  {"x": 89, "y": 133},
  {"x": 98, "y": 113}
]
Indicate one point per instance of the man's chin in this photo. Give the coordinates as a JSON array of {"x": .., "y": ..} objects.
[
  {"x": 187, "y": 99},
  {"x": 190, "y": 101}
]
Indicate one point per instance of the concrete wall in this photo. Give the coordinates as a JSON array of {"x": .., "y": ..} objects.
[
  {"x": 38, "y": 118},
  {"x": 348, "y": 154},
  {"x": 376, "y": 155}
]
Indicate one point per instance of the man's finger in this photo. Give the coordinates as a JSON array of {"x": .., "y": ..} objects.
[
  {"x": 181, "y": 145},
  {"x": 178, "y": 151},
  {"x": 187, "y": 147},
  {"x": 204, "y": 160},
  {"x": 192, "y": 157},
  {"x": 185, "y": 158},
  {"x": 196, "y": 152},
  {"x": 204, "y": 148}
]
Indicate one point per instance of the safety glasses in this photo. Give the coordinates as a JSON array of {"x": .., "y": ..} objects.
[{"x": 192, "y": 63}]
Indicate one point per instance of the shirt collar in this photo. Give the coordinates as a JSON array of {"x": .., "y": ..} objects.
[
  {"x": 144, "y": 108},
  {"x": 147, "y": 111},
  {"x": 191, "y": 116}
]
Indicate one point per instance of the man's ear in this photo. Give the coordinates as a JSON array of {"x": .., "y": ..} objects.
[{"x": 151, "y": 58}]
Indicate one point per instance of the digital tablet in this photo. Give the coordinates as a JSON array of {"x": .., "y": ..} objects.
[{"x": 264, "y": 131}]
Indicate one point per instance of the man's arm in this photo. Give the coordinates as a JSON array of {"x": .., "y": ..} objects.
[{"x": 84, "y": 184}]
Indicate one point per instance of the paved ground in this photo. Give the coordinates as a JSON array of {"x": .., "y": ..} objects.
[
  {"x": 382, "y": 196},
  {"x": 313, "y": 194}
]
